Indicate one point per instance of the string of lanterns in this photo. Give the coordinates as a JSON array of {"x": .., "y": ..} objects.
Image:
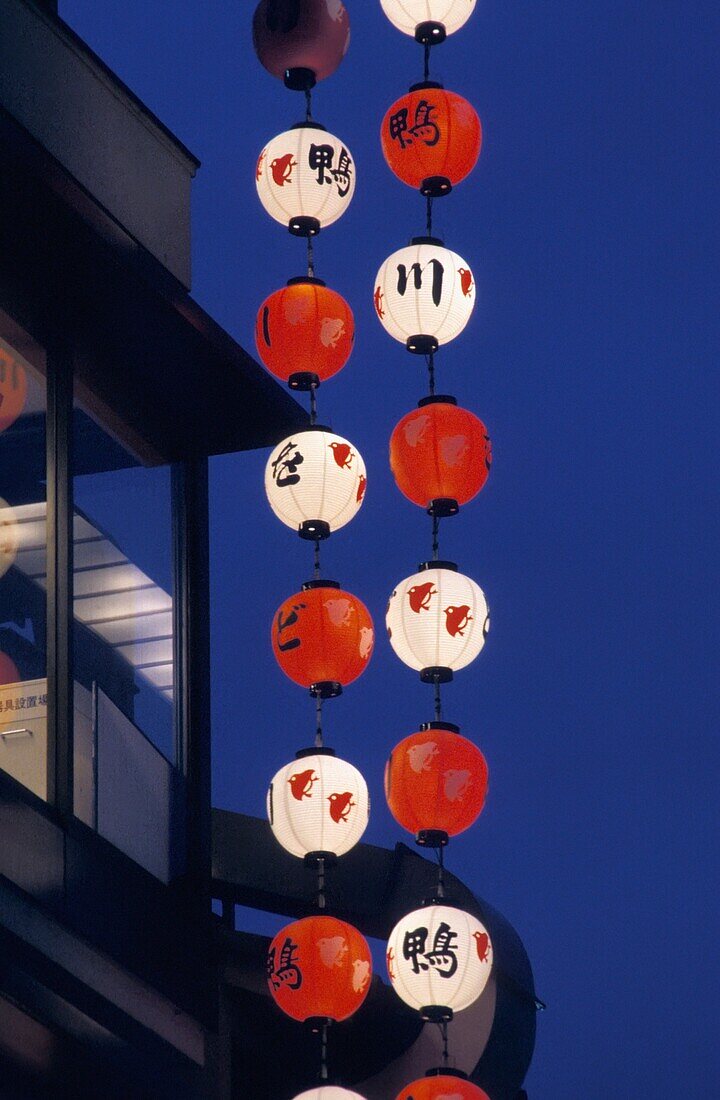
[
  {"x": 439, "y": 957},
  {"x": 319, "y": 968}
]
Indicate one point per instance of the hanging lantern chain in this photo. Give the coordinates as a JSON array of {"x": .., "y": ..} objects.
[
  {"x": 313, "y": 403},
  {"x": 438, "y": 701},
  {"x": 430, "y": 360},
  {"x": 436, "y": 538},
  {"x": 316, "y": 560},
  {"x": 308, "y": 105},
  {"x": 310, "y": 259},
  {"x": 323, "y": 1051},
  {"x": 318, "y": 722},
  {"x": 443, "y": 1025},
  {"x": 321, "y": 882},
  {"x": 426, "y": 69},
  {"x": 441, "y": 872},
  {"x": 429, "y": 215}
]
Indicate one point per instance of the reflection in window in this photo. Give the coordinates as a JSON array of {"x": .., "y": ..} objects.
[{"x": 23, "y": 541}]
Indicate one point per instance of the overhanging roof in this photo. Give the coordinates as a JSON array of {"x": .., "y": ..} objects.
[{"x": 170, "y": 381}]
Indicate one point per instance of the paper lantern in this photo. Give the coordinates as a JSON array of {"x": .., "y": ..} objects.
[
  {"x": 439, "y": 960},
  {"x": 329, "y": 1092},
  {"x": 319, "y": 967},
  {"x": 440, "y": 455},
  {"x": 428, "y": 20},
  {"x": 442, "y": 1086},
  {"x": 318, "y": 804},
  {"x": 305, "y": 178},
  {"x": 323, "y": 637},
  {"x": 13, "y": 389},
  {"x": 431, "y": 138},
  {"x": 304, "y": 332},
  {"x": 315, "y": 482},
  {"x": 437, "y": 620},
  {"x": 8, "y": 670},
  {"x": 436, "y": 782},
  {"x": 424, "y": 295},
  {"x": 301, "y": 43},
  {"x": 9, "y": 536}
]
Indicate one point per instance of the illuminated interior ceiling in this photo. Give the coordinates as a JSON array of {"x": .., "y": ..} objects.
[{"x": 112, "y": 597}]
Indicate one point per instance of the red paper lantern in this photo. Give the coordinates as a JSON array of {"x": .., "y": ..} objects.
[
  {"x": 304, "y": 328},
  {"x": 440, "y": 453},
  {"x": 431, "y": 138},
  {"x": 301, "y": 42},
  {"x": 319, "y": 967},
  {"x": 8, "y": 670},
  {"x": 323, "y": 637},
  {"x": 436, "y": 782},
  {"x": 444, "y": 1086},
  {"x": 13, "y": 390}
]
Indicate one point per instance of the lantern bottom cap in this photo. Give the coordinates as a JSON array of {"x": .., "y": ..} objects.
[
  {"x": 436, "y": 1014},
  {"x": 304, "y": 227},
  {"x": 430, "y": 33},
  {"x": 326, "y": 689},
  {"x": 421, "y": 344},
  {"x": 434, "y": 187},
  {"x": 314, "y": 530},
  {"x": 317, "y": 1023},
  {"x": 303, "y": 381},
  {"x": 313, "y": 858},
  {"x": 436, "y": 674},
  {"x": 432, "y": 838},
  {"x": 443, "y": 508},
  {"x": 299, "y": 79}
]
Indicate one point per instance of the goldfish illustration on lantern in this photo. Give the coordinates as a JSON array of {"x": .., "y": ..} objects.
[
  {"x": 281, "y": 168},
  {"x": 456, "y": 619},
  {"x": 301, "y": 784},
  {"x": 343, "y": 454},
  {"x": 419, "y": 596},
  {"x": 340, "y": 805}
]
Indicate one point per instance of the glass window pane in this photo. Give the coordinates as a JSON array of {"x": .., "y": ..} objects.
[
  {"x": 124, "y": 658},
  {"x": 23, "y": 560}
]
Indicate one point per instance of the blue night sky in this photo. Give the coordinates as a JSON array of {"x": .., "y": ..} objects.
[{"x": 588, "y": 357}]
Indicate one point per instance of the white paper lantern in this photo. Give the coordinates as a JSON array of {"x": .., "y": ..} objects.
[
  {"x": 407, "y": 15},
  {"x": 9, "y": 536},
  {"x": 437, "y": 620},
  {"x": 329, "y": 1092},
  {"x": 318, "y": 803},
  {"x": 439, "y": 957},
  {"x": 424, "y": 294},
  {"x": 305, "y": 178},
  {"x": 315, "y": 482}
]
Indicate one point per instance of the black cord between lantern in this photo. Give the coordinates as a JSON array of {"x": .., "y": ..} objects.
[
  {"x": 316, "y": 560},
  {"x": 438, "y": 701},
  {"x": 446, "y": 1050},
  {"x": 323, "y": 1050},
  {"x": 428, "y": 215},
  {"x": 426, "y": 69},
  {"x": 313, "y": 403},
  {"x": 430, "y": 360},
  {"x": 436, "y": 538},
  {"x": 310, "y": 258},
  {"x": 441, "y": 872},
  {"x": 308, "y": 105},
  {"x": 321, "y": 882},
  {"x": 318, "y": 722}
]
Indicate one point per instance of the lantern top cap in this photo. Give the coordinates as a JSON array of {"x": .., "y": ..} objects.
[
  {"x": 316, "y": 750},
  {"x": 318, "y": 583},
  {"x": 425, "y": 565},
  {"x": 449, "y": 726},
  {"x": 422, "y": 85},
  {"x": 308, "y": 124},
  {"x": 313, "y": 428},
  {"x": 437, "y": 399},
  {"x": 445, "y": 1071},
  {"x": 305, "y": 280},
  {"x": 442, "y": 902},
  {"x": 428, "y": 240}
]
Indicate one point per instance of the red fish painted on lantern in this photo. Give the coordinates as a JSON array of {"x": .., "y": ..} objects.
[
  {"x": 456, "y": 619},
  {"x": 419, "y": 596},
  {"x": 340, "y": 806},
  {"x": 343, "y": 454},
  {"x": 282, "y": 168},
  {"x": 301, "y": 784},
  {"x": 466, "y": 281},
  {"x": 482, "y": 944}
]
